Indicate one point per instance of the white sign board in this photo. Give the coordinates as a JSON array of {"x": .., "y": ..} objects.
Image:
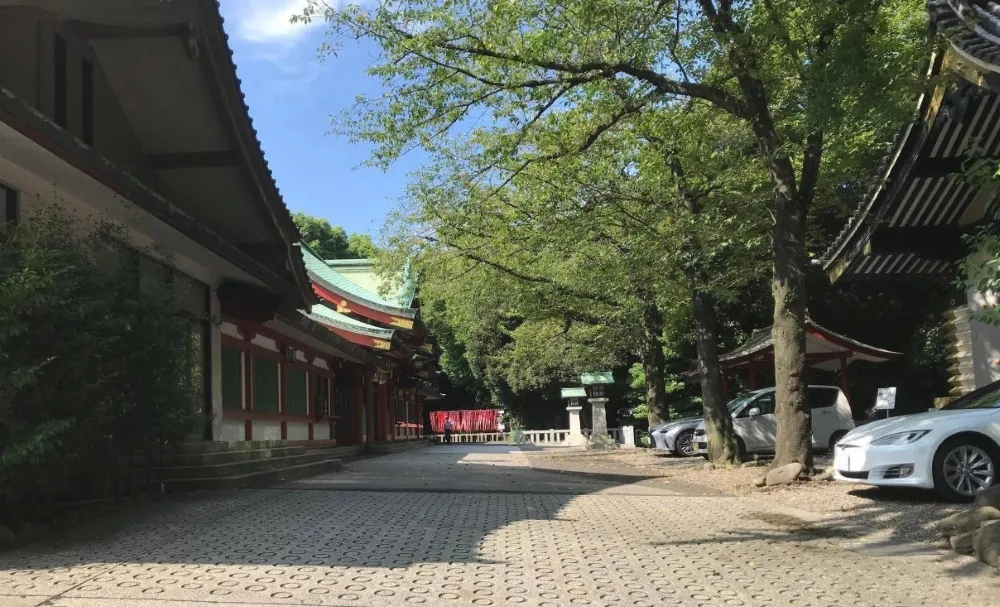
[{"x": 885, "y": 400}]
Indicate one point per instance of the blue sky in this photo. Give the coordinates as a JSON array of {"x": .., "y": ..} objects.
[{"x": 292, "y": 94}]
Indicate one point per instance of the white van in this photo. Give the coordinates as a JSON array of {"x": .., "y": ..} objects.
[{"x": 756, "y": 425}]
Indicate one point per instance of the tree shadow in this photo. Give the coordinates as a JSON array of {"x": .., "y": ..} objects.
[{"x": 440, "y": 510}]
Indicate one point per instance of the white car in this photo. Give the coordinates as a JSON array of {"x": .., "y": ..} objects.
[
  {"x": 756, "y": 425},
  {"x": 955, "y": 449}
]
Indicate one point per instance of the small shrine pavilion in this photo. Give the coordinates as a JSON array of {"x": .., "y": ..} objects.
[{"x": 825, "y": 350}]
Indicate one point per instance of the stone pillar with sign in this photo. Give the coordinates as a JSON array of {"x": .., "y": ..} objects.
[
  {"x": 595, "y": 385},
  {"x": 573, "y": 396}
]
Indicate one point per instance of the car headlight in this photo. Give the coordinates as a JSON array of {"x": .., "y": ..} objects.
[{"x": 901, "y": 438}]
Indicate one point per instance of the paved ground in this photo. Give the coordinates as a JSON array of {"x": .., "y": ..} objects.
[{"x": 465, "y": 525}]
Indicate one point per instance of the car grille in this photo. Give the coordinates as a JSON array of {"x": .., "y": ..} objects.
[{"x": 855, "y": 475}]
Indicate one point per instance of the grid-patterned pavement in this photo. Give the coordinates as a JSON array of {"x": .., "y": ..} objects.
[{"x": 624, "y": 543}]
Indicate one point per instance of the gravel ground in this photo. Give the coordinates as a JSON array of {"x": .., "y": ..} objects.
[{"x": 859, "y": 510}]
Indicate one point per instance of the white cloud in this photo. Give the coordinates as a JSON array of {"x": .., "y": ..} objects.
[{"x": 265, "y": 21}]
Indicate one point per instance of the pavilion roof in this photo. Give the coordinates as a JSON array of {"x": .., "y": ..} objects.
[
  {"x": 824, "y": 349},
  {"x": 328, "y": 316},
  {"x": 327, "y": 276}
]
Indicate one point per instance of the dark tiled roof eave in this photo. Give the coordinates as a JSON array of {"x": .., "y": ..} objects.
[
  {"x": 272, "y": 195},
  {"x": 38, "y": 127},
  {"x": 317, "y": 330},
  {"x": 973, "y": 28}
]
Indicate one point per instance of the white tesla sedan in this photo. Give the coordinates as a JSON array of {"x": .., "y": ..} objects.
[{"x": 955, "y": 449}]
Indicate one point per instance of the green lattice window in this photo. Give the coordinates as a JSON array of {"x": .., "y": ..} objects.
[
  {"x": 297, "y": 395},
  {"x": 232, "y": 379},
  {"x": 265, "y": 385}
]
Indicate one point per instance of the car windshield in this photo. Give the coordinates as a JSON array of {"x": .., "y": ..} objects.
[
  {"x": 984, "y": 399},
  {"x": 737, "y": 402}
]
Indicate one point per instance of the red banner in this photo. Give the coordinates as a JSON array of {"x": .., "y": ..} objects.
[{"x": 467, "y": 420}]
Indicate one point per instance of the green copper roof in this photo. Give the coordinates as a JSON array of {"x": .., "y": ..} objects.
[
  {"x": 573, "y": 393},
  {"x": 598, "y": 377},
  {"x": 322, "y": 272},
  {"x": 329, "y": 316}
]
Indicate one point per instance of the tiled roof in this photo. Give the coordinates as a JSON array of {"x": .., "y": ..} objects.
[
  {"x": 761, "y": 339},
  {"x": 272, "y": 196},
  {"x": 328, "y": 316},
  {"x": 972, "y": 26},
  {"x": 328, "y": 277}
]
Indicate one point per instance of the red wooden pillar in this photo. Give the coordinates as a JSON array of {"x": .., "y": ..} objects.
[
  {"x": 383, "y": 403},
  {"x": 845, "y": 383},
  {"x": 358, "y": 408},
  {"x": 248, "y": 385},
  {"x": 753, "y": 376}
]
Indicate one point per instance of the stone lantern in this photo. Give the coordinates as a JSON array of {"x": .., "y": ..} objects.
[
  {"x": 573, "y": 396},
  {"x": 595, "y": 385}
]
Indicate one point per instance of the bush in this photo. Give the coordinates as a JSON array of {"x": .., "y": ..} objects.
[{"x": 95, "y": 359}]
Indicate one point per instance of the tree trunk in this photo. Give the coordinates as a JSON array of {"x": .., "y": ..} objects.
[
  {"x": 788, "y": 286},
  {"x": 722, "y": 446},
  {"x": 651, "y": 355},
  {"x": 794, "y": 443}
]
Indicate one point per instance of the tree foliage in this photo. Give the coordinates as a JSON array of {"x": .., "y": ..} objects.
[
  {"x": 96, "y": 358},
  {"x": 332, "y": 242},
  {"x": 814, "y": 84}
]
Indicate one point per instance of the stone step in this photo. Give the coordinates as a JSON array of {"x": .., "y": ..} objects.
[
  {"x": 387, "y": 447},
  {"x": 233, "y": 468},
  {"x": 217, "y": 446},
  {"x": 263, "y": 478},
  {"x": 342, "y": 453},
  {"x": 216, "y": 457}
]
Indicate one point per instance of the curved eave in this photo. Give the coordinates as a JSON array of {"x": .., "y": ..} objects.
[
  {"x": 973, "y": 28},
  {"x": 347, "y": 303},
  {"x": 31, "y": 123},
  {"x": 319, "y": 331},
  {"x": 891, "y": 174},
  {"x": 826, "y": 347},
  {"x": 224, "y": 66}
]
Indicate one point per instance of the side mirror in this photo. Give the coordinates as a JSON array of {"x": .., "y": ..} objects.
[{"x": 753, "y": 412}]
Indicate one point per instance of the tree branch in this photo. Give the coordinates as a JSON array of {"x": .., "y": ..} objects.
[{"x": 564, "y": 289}]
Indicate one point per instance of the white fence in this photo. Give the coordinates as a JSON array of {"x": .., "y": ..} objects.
[{"x": 550, "y": 438}]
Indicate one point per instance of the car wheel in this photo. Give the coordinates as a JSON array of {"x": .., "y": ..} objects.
[
  {"x": 684, "y": 444},
  {"x": 839, "y": 434},
  {"x": 964, "y": 466}
]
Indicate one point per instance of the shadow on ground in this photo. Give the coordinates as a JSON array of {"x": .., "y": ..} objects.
[{"x": 460, "y": 522}]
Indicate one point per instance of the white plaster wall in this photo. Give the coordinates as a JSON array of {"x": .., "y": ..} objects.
[
  {"x": 321, "y": 431},
  {"x": 985, "y": 341},
  {"x": 231, "y": 330},
  {"x": 321, "y": 363},
  {"x": 266, "y": 430},
  {"x": 297, "y": 431},
  {"x": 232, "y": 430},
  {"x": 265, "y": 342}
]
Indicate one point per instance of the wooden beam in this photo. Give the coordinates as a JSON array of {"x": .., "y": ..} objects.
[
  {"x": 928, "y": 242},
  {"x": 98, "y": 31},
  {"x": 192, "y": 160},
  {"x": 943, "y": 167}
]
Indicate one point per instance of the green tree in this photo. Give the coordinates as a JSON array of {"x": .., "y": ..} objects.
[
  {"x": 332, "y": 242},
  {"x": 97, "y": 358},
  {"x": 815, "y": 83}
]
